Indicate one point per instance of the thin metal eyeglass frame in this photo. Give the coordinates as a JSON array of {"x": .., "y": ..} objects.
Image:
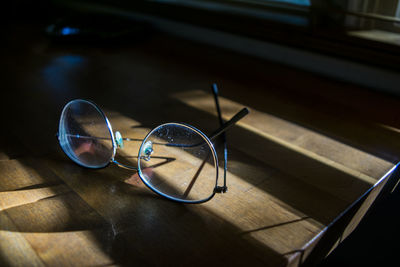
[{"x": 219, "y": 132}]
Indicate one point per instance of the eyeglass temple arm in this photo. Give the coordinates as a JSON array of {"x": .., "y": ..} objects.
[
  {"x": 224, "y": 188},
  {"x": 238, "y": 116}
]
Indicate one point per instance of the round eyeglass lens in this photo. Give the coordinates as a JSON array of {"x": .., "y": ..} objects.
[
  {"x": 179, "y": 162},
  {"x": 84, "y": 134}
]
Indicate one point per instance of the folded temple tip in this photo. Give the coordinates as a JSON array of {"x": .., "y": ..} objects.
[
  {"x": 215, "y": 88},
  {"x": 245, "y": 111}
]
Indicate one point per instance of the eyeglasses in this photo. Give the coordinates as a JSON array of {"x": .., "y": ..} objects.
[{"x": 175, "y": 160}]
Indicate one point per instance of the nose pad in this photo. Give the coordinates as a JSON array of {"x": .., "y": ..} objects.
[
  {"x": 147, "y": 150},
  {"x": 119, "y": 140}
]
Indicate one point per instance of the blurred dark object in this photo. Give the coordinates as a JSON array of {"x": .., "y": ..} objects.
[
  {"x": 87, "y": 28},
  {"x": 376, "y": 237},
  {"x": 365, "y": 32}
]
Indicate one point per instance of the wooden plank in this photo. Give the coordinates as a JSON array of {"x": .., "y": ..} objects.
[
  {"x": 72, "y": 248},
  {"x": 23, "y": 197},
  {"x": 26, "y": 173},
  {"x": 299, "y": 151},
  {"x": 63, "y": 223},
  {"x": 41, "y": 219},
  {"x": 14, "y": 249}
]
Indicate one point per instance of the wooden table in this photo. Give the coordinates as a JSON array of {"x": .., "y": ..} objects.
[{"x": 304, "y": 166}]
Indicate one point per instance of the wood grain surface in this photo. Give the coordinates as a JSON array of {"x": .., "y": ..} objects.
[{"x": 308, "y": 150}]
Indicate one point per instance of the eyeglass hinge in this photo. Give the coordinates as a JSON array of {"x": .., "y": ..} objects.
[{"x": 221, "y": 189}]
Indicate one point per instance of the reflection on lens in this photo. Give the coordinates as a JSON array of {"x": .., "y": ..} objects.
[
  {"x": 84, "y": 134},
  {"x": 179, "y": 162}
]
